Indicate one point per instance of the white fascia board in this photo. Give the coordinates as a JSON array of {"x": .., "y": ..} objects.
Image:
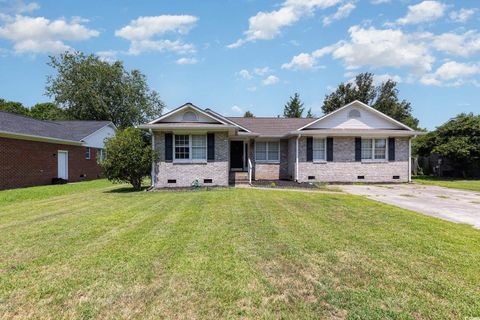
[
  {"x": 381, "y": 114},
  {"x": 30, "y": 137},
  {"x": 187, "y": 105}
]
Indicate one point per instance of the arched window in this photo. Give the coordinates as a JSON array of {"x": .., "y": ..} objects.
[
  {"x": 354, "y": 113},
  {"x": 190, "y": 116}
]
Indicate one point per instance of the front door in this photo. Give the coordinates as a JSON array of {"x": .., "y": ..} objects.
[
  {"x": 236, "y": 155},
  {"x": 62, "y": 165}
]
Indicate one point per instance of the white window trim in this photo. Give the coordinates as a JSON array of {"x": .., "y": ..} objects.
[
  {"x": 190, "y": 150},
  {"x": 266, "y": 150},
  {"x": 324, "y": 160},
  {"x": 372, "y": 159},
  {"x": 88, "y": 153}
]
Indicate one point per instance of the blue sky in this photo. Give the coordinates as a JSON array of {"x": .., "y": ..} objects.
[{"x": 234, "y": 56}]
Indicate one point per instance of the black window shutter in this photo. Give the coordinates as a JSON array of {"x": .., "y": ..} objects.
[
  {"x": 309, "y": 149},
  {"x": 168, "y": 147},
  {"x": 329, "y": 149},
  {"x": 210, "y": 146},
  {"x": 358, "y": 149},
  {"x": 391, "y": 149}
]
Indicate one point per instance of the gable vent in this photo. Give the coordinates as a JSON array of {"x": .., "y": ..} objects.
[
  {"x": 190, "y": 116},
  {"x": 354, "y": 113}
]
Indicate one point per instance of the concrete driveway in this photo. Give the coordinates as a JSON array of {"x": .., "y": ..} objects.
[{"x": 454, "y": 205}]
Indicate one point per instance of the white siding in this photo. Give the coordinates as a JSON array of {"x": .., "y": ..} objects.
[
  {"x": 367, "y": 120},
  {"x": 178, "y": 117},
  {"x": 96, "y": 140}
]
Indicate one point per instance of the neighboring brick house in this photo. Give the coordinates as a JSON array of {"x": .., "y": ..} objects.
[
  {"x": 35, "y": 152},
  {"x": 355, "y": 143}
]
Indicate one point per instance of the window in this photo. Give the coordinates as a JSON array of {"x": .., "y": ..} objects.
[
  {"x": 267, "y": 151},
  {"x": 87, "y": 153},
  {"x": 189, "y": 116},
  {"x": 374, "y": 149},
  {"x": 190, "y": 147},
  {"x": 354, "y": 113},
  {"x": 199, "y": 147},
  {"x": 101, "y": 154},
  {"x": 319, "y": 149}
]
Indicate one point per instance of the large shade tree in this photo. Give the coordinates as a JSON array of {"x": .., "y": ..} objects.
[
  {"x": 88, "y": 88},
  {"x": 383, "y": 97},
  {"x": 457, "y": 140}
]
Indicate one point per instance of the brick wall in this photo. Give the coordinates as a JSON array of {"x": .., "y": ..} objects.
[
  {"x": 345, "y": 169},
  {"x": 186, "y": 173},
  {"x": 29, "y": 163},
  {"x": 274, "y": 171}
]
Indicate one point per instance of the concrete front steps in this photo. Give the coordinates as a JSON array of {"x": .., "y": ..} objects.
[{"x": 238, "y": 177}]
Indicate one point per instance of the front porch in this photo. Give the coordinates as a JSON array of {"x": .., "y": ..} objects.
[{"x": 240, "y": 164}]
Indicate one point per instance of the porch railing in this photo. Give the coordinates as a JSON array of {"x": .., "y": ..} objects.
[{"x": 249, "y": 171}]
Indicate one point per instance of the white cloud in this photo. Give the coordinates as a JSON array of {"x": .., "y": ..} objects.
[
  {"x": 40, "y": 35},
  {"x": 462, "y": 15},
  {"x": 252, "y": 89},
  {"x": 379, "y": 1},
  {"x": 262, "y": 71},
  {"x": 384, "y": 48},
  {"x": 270, "y": 80},
  {"x": 452, "y": 73},
  {"x": 108, "y": 55},
  {"x": 142, "y": 33},
  {"x": 342, "y": 12},
  {"x": 22, "y": 7},
  {"x": 302, "y": 61},
  {"x": 465, "y": 44},
  {"x": 245, "y": 74},
  {"x": 307, "y": 61},
  {"x": 183, "y": 61},
  {"x": 381, "y": 78},
  {"x": 425, "y": 11},
  {"x": 177, "y": 46},
  {"x": 237, "y": 109},
  {"x": 267, "y": 25}
]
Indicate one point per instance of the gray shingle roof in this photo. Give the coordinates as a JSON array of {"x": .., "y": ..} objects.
[
  {"x": 271, "y": 126},
  {"x": 65, "y": 130}
]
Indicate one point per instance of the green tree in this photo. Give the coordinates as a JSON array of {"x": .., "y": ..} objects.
[
  {"x": 383, "y": 97},
  {"x": 294, "y": 107},
  {"x": 310, "y": 114},
  {"x": 13, "y": 107},
  {"x": 91, "y": 89},
  {"x": 248, "y": 114},
  {"x": 458, "y": 140},
  {"x": 47, "y": 111},
  {"x": 129, "y": 157}
]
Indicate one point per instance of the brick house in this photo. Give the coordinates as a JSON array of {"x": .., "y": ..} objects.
[
  {"x": 35, "y": 152},
  {"x": 356, "y": 143}
]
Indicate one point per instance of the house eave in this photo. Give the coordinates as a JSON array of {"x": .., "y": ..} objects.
[
  {"x": 357, "y": 132},
  {"x": 20, "y": 136}
]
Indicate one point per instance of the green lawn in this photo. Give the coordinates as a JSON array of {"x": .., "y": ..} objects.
[
  {"x": 473, "y": 185},
  {"x": 93, "y": 250}
]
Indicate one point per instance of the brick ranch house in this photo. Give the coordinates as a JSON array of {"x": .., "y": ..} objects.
[
  {"x": 34, "y": 152},
  {"x": 356, "y": 143}
]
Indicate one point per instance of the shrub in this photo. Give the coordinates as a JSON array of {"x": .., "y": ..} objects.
[{"x": 129, "y": 157}]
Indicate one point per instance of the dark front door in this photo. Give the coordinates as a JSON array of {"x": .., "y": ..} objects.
[{"x": 236, "y": 154}]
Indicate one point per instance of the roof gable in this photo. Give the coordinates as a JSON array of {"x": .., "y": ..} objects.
[
  {"x": 356, "y": 115},
  {"x": 188, "y": 113}
]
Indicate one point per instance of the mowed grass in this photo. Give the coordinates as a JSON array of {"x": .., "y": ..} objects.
[
  {"x": 93, "y": 250},
  {"x": 473, "y": 185}
]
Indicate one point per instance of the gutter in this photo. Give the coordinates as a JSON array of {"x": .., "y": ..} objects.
[{"x": 30, "y": 137}]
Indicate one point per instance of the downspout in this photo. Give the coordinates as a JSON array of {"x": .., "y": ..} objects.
[
  {"x": 296, "y": 156},
  {"x": 410, "y": 159},
  {"x": 152, "y": 173}
]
